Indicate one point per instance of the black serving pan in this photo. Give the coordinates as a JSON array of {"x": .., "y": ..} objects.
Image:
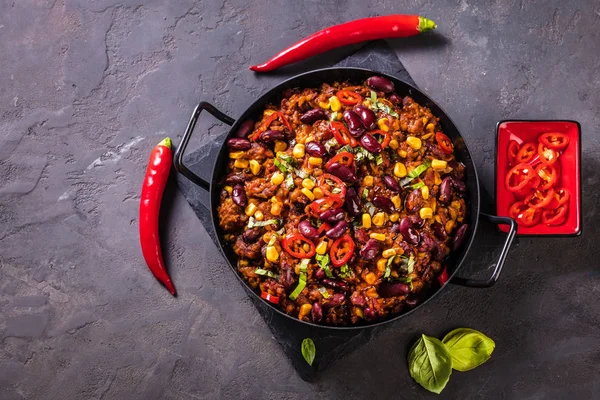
[{"x": 355, "y": 75}]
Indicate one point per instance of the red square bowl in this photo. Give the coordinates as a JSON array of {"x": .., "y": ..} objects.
[{"x": 569, "y": 171}]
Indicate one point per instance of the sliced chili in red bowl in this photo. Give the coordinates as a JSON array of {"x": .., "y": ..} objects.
[
  {"x": 548, "y": 175},
  {"x": 540, "y": 199},
  {"x": 513, "y": 149},
  {"x": 529, "y": 217},
  {"x": 518, "y": 177},
  {"x": 554, "y": 140},
  {"x": 526, "y": 153},
  {"x": 555, "y": 217},
  {"x": 547, "y": 156}
]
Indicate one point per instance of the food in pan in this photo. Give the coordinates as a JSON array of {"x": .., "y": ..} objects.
[{"x": 342, "y": 202}]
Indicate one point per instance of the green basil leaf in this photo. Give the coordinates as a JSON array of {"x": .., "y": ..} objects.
[
  {"x": 430, "y": 363},
  {"x": 279, "y": 165},
  {"x": 330, "y": 144},
  {"x": 388, "y": 267},
  {"x": 378, "y": 159},
  {"x": 289, "y": 181},
  {"x": 418, "y": 185},
  {"x": 323, "y": 261},
  {"x": 308, "y": 350},
  {"x": 373, "y": 97},
  {"x": 299, "y": 288},
  {"x": 264, "y": 223},
  {"x": 365, "y": 193},
  {"x": 347, "y": 148},
  {"x": 469, "y": 348},
  {"x": 333, "y": 116},
  {"x": 324, "y": 292},
  {"x": 264, "y": 272}
]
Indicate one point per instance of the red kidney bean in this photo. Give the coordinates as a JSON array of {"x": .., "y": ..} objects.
[
  {"x": 337, "y": 231},
  {"x": 335, "y": 300},
  {"x": 412, "y": 302},
  {"x": 369, "y": 314},
  {"x": 342, "y": 172},
  {"x": 287, "y": 275},
  {"x": 380, "y": 84},
  {"x": 332, "y": 215},
  {"x": 367, "y": 116},
  {"x": 355, "y": 126},
  {"x": 360, "y": 235},
  {"x": 409, "y": 233},
  {"x": 437, "y": 254},
  {"x": 271, "y": 136},
  {"x": 370, "y": 143},
  {"x": 320, "y": 274},
  {"x": 316, "y": 312},
  {"x": 393, "y": 289},
  {"x": 238, "y": 195},
  {"x": 234, "y": 179},
  {"x": 445, "y": 190},
  {"x": 405, "y": 247},
  {"x": 416, "y": 221},
  {"x": 358, "y": 299},
  {"x": 335, "y": 284},
  {"x": 407, "y": 101},
  {"x": 439, "y": 231},
  {"x": 394, "y": 98},
  {"x": 395, "y": 228},
  {"x": 238, "y": 144},
  {"x": 352, "y": 202},
  {"x": 251, "y": 235},
  {"x": 436, "y": 150},
  {"x": 384, "y": 203},
  {"x": 460, "y": 236},
  {"x": 370, "y": 250},
  {"x": 314, "y": 115},
  {"x": 427, "y": 243},
  {"x": 413, "y": 201},
  {"x": 245, "y": 129},
  {"x": 391, "y": 183},
  {"x": 308, "y": 230},
  {"x": 315, "y": 149},
  {"x": 459, "y": 185}
]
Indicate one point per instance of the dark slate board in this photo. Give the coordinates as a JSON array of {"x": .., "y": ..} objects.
[{"x": 331, "y": 345}]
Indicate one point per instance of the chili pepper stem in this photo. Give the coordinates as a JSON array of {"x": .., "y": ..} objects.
[
  {"x": 425, "y": 25},
  {"x": 166, "y": 142}
]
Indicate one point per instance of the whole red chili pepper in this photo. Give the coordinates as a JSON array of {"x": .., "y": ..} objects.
[
  {"x": 155, "y": 181},
  {"x": 360, "y": 30}
]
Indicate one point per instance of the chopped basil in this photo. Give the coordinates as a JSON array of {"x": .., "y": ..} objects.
[
  {"x": 345, "y": 272},
  {"x": 300, "y": 287},
  {"x": 281, "y": 231},
  {"x": 264, "y": 272},
  {"x": 331, "y": 143},
  {"x": 386, "y": 109},
  {"x": 279, "y": 165},
  {"x": 411, "y": 264},
  {"x": 272, "y": 240},
  {"x": 378, "y": 159},
  {"x": 304, "y": 265},
  {"x": 362, "y": 153},
  {"x": 415, "y": 173},
  {"x": 300, "y": 173},
  {"x": 418, "y": 185},
  {"x": 324, "y": 292},
  {"x": 388, "y": 267},
  {"x": 333, "y": 116},
  {"x": 323, "y": 261},
  {"x": 365, "y": 193},
  {"x": 346, "y": 147},
  {"x": 370, "y": 208},
  {"x": 286, "y": 158},
  {"x": 336, "y": 190},
  {"x": 373, "y": 97},
  {"x": 252, "y": 222},
  {"x": 289, "y": 181},
  {"x": 407, "y": 280}
]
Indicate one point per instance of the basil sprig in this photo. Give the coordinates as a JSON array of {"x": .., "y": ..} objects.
[{"x": 308, "y": 350}]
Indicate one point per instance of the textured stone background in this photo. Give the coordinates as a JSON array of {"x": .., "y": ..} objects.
[{"x": 87, "y": 88}]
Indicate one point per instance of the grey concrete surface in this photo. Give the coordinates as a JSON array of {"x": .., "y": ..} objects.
[{"x": 87, "y": 88}]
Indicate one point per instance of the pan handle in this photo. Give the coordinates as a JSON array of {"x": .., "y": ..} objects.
[
  {"x": 178, "y": 162},
  {"x": 486, "y": 283}
]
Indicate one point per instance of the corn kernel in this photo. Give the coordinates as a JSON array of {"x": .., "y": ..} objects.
[
  {"x": 429, "y": 127},
  {"x": 382, "y": 123},
  {"x": 272, "y": 254},
  {"x": 254, "y": 167},
  {"x": 378, "y": 236},
  {"x": 250, "y": 209},
  {"x": 267, "y": 112},
  {"x": 298, "y": 151},
  {"x": 276, "y": 209},
  {"x": 243, "y": 263},
  {"x": 400, "y": 170},
  {"x": 304, "y": 310},
  {"x": 366, "y": 221},
  {"x": 394, "y": 144},
  {"x": 414, "y": 142},
  {"x": 234, "y": 155},
  {"x": 358, "y": 312},
  {"x": 396, "y": 201},
  {"x": 425, "y": 120},
  {"x": 314, "y": 161},
  {"x": 437, "y": 180},
  {"x": 449, "y": 226},
  {"x": 379, "y": 219},
  {"x": 439, "y": 164},
  {"x": 228, "y": 189},
  {"x": 267, "y": 236},
  {"x": 426, "y": 136},
  {"x": 335, "y": 104},
  {"x": 372, "y": 292},
  {"x": 398, "y": 258},
  {"x": 402, "y": 153},
  {"x": 394, "y": 217},
  {"x": 280, "y": 146},
  {"x": 425, "y": 213},
  {"x": 259, "y": 216},
  {"x": 306, "y": 247},
  {"x": 321, "y": 247},
  {"x": 438, "y": 219},
  {"x": 308, "y": 184},
  {"x": 318, "y": 193},
  {"x": 241, "y": 163},
  {"x": 370, "y": 278},
  {"x": 277, "y": 178},
  {"x": 455, "y": 204},
  {"x": 368, "y": 180},
  {"x": 433, "y": 204},
  {"x": 324, "y": 105},
  {"x": 308, "y": 194},
  {"x": 453, "y": 213},
  {"x": 381, "y": 264},
  {"x": 389, "y": 253},
  {"x": 425, "y": 192},
  {"x": 309, "y": 138}
]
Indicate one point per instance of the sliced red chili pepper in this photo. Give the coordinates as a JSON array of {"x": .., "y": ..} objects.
[
  {"x": 518, "y": 177},
  {"x": 386, "y": 137},
  {"x": 555, "y": 217},
  {"x": 337, "y": 182},
  {"x": 540, "y": 199},
  {"x": 342, "y": 250},
  {"x": 348, "y": 97},
  {"x": 345, "y": 158},
  {"x": 526, "y": 153},
  {"x": 444, "y": 142},
  {"x": 561, "y": 196},
  {"x": 342, "y": 135},
  {"x": 325, "y": 203},
  {"x": 513, "y": 149},
  {"x": 529, "y": 217},
  {"x": 443, "y": 277},
  {"x": 548, "y": 175},
  {"x": 554, "y": 140},
  {"x": 517, "y": 208},
  {"x": 294, "y": 244},
  {"x": 547, "y": 156},
  {"x": 529, "y": 188},
  {"x": 267, "y": 123},
  {"x": 270, "y": 297},
  {"x": 323, "y": 228}
]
